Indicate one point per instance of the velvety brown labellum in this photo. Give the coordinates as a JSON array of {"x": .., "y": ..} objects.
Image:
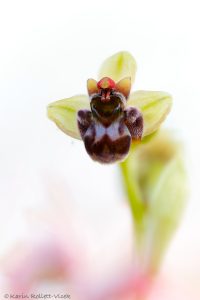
[{"x": 108, "y": 129}]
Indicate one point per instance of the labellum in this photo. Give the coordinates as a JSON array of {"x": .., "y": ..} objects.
[{"x": 108, "y": 129}]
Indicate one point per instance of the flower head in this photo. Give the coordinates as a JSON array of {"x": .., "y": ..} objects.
[
  {"x": 108, "y": 128},
  {"x": 111, "y": 118}
]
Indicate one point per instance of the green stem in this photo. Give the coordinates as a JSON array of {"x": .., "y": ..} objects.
[{"x": 137, "y": 206}]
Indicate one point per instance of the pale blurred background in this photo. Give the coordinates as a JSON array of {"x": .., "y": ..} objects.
[{"x": 48, "y": 49}]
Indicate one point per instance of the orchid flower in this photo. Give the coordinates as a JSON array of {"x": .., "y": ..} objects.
[{"x": 110, "y": 117}]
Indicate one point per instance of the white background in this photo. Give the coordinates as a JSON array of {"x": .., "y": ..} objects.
[{"x": 48, "y": 49}]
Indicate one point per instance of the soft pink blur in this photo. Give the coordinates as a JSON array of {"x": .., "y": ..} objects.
[{"x": 58, "y": 257}]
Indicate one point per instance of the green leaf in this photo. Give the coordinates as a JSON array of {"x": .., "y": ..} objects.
[
  {"x": 154, "y": 106},
  {"x": 118, "y": 66},
  {"x": 166, "y": 206},
  {"x": 156, "y": 185},
  {"x": 64, "y": 113}
]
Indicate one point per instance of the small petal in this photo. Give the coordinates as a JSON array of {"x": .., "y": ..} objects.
[
  {"x": 124, "y": 86},
  {"x": 64, "y": 113},
  {"x": 119, "y": 66},
  {"x": 154, "y": 106},
  {"x": 92, "y": 86}
]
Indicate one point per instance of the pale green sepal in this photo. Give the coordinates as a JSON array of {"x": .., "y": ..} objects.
[
  {"x": 154, "y": 105},
  {"x": 119, "y": 66},
  {"x": 64, "y": 113}
]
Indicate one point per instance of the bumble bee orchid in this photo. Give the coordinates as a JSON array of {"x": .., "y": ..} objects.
[{"x": 111, "y": 117}]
